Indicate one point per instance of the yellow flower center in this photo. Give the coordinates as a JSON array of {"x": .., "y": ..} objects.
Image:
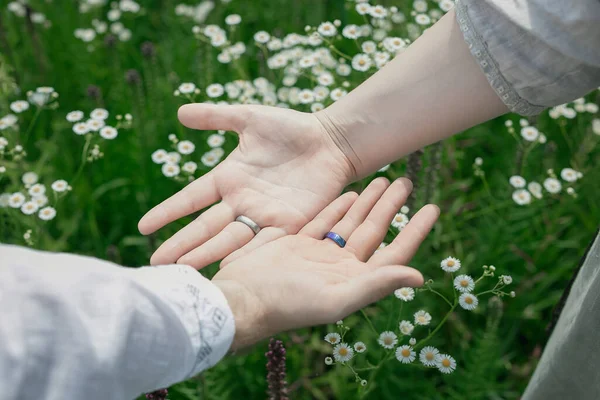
[
  {"x": 450, "y": 263},
  {"x": 429, "y": 356},
  {"x": 361, "y": 62},
  {"x": 387, "y": 340},
  {"x": 464, "y": 283},
  {"x": 446, "y": 362},
  {"x": 405, "y": 352},
  {"x": 469, "y": 300},
  {"x": 343, "y": 351}
]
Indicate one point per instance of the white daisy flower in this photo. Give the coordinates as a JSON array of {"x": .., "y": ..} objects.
[
  {"x": 388, "y": 340},
  {"x": 333, "y": 338},
  {"x": 80, "y": 128},
  {"x": 37, "y": 189},
  {"x": 94, "y": 124},
  {"x": 405, "y": 293},
  {"x": 530, "y": 133},
  {"x": 445, "y": 363},
  {"x": 187, "y": 88},
  {"x": 363, "y": 8},
  {"x": 325, "y": 79},
  {"x": 360, "y": 347},
  {"x": 446, "y": 5},
  {"x": 29, "y": 207},
  {"x": 592, "y": 108},
  {"x": 29, "y": 178},
  {"x": 552, "y": 185},
  {"x": 316, "y": 107},
  {"x": 306, "y": 96},
  {"x": 450, "y": 264},
  {"x": 535, "y": 189},
  {"x": 59, "y": 186},
  {"x": 521, "y": 197},
  {"x": 210, "y": 159},
  {"x": 159, "y": 156},
  {"x": 41, "y": 200},
  {"x": 7, "y": 121},
  {"x": 16, "y": 200},
  {"x": 47, "y": 213},
  {"x": 378, "y": 11},
  {"x": 517, "y": 181},
  {"x": 327, "y": 29},
  {"x": 215, "y": 90},
  {"x": 405, "y": 354},
  {"x": 468, "y": 301},
  {"x": 406, "y": 328},
  {"x": 381, "y": 58},
  {"x": 3, "y": 142},
  {"x": 400, "y": 221},
  {"x": 261, "y": 37},
  {"x": 351, "y": 32},
  {"x": 420, "y": 6},
  {"x": 75, "y": 116},
  {"x": 19, "y": 106},
  {"x": 233, "y": 19},
  {"x": 170, "y": 170},
  {"x": 108, "y": 132},
  {"x": 361, "y": 62},
  {"x": 328, "y": 361},
  {"x": 337, "y": 94},
  {"x": 464, "y": 283},
  {"x": 422, "y": 318},
  {"x": 369, "y": 47},
  {"x": 343, "y": 353},
  {"x": 569, "y": 174},
  {"x": 394, "y": 44},
  {"x": 423, "y": 19},
  {"x": 185, "y": 147},
  {"x": 189, "y": 167},
  {"x": 99, "y": 113},
  {"x": 429, "y": 356},
  {"x": 215, "y": 140},
  {"x": 4, "y": 200}
]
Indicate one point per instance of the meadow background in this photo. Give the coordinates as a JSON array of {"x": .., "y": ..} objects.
[{"x": 539, "y": 244}]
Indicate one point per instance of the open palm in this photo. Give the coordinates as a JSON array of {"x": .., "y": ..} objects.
[
  {"x": 301, "y": 280},
  {"x": 285, "y": 170}
]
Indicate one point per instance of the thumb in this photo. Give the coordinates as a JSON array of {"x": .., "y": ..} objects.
[
  {"x": 214, "y": 117},
  {"x": 372, "y": 286}
]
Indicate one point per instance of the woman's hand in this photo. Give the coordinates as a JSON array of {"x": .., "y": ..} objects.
[
  {"x": 285, "y": 170},
  {"x": 303, "y": 280}
]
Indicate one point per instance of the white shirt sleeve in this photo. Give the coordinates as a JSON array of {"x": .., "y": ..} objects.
[{"x": 75, "y": 327}]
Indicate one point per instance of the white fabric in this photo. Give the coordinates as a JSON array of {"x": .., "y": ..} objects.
[{"x": 74, "y": 327}]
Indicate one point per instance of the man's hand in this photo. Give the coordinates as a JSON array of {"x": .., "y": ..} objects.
[
  {"x": 285, "y": 170},
  {"x": 303, "y": 280}
]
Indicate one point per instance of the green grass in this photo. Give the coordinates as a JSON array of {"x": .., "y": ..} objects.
[{"x": 539, "y": 245}]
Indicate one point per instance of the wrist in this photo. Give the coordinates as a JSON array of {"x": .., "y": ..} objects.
[
  {"x": 339, "y": 145},
  {"x": 247, "y": 313}
]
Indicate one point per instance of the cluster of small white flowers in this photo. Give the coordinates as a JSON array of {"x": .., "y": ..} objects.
[
  {"x": 112, "y": 25},
  {"x": 43, "y": 97},
  {"x": 570, "y": 110},
  {"x": 33, "y": 199},
  {"x": 197, "y": 13},
  {"x": 18, "y": 9},
  {"x": 95, "y": 123},
  {"x": 526, "y": 192}
]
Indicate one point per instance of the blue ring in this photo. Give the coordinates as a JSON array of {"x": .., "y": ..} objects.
[{"x": 336, "y": 238}]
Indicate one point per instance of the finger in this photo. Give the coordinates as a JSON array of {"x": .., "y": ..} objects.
[
  {"x": 370, "y": 287},
  {"x": 366, "y": 238},
  {"x": 360, "y": 209},
  {"x": 207, "y": 225},
  {"x": 329, "y": 216},
  {"x": 265, "y": 236},
  {"x": 406, "y": 244},
  {"x": 212, "y": 117},
  {"x": 197, "y": 195},
  {"x": 234, "y": 236}
]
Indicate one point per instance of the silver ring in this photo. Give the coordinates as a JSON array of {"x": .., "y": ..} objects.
[{"x": 249, "y": 223}]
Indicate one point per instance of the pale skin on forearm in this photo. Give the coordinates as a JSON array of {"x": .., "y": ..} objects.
[{"x": 431, "y": 91}]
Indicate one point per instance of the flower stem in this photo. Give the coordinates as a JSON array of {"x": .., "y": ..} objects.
[
  {"x": 437, "y": 328},
  {"x": 369, "y": 321}
]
